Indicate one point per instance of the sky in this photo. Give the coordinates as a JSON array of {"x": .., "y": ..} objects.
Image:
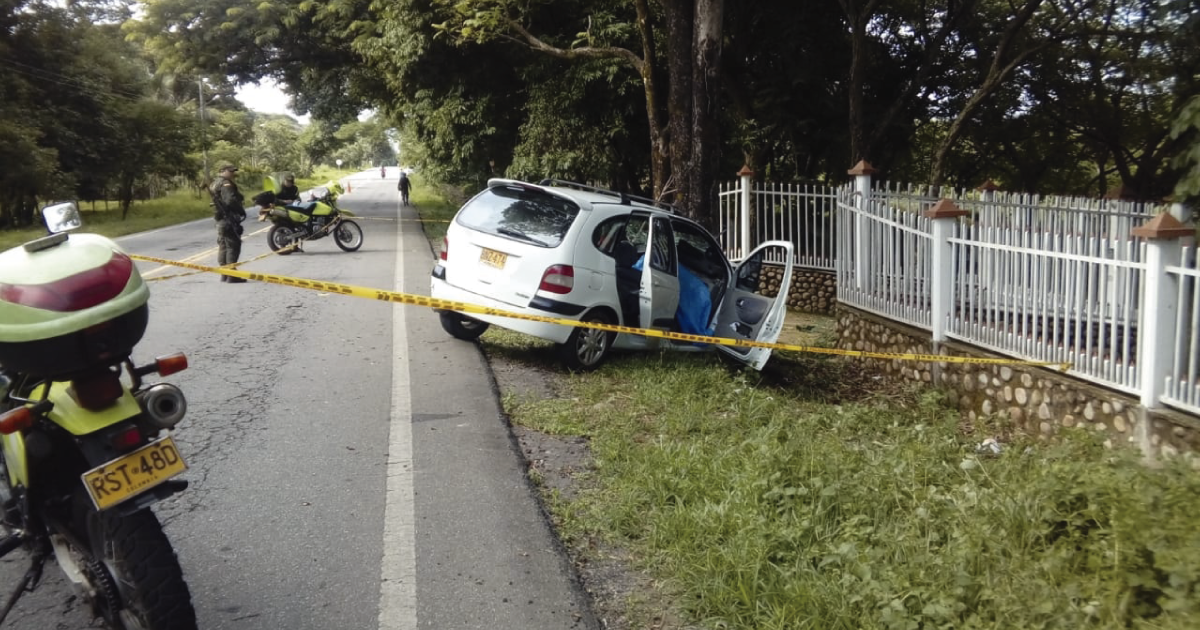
[{"x": 266, "y": 97}]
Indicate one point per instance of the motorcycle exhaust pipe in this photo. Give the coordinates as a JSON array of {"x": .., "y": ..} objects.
[{"x": 163, "y": 404}]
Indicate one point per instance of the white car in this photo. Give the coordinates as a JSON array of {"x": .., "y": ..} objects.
[{"x": 569, "y": 251}]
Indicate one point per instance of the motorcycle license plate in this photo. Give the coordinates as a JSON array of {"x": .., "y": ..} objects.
[
  {"x": 493, "y": 258},
  {"x": 132, "y": 474}
]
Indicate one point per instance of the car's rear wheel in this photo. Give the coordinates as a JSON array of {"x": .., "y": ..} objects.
[
  {"x": 462, "y": 327},
  {"x": 587, "y": 348}
]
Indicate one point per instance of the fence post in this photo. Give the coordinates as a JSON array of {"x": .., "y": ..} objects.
[
  {"x": 944, "y": 216},
  {"x": 747, "y": 176},
  {"x": 1160, "y": 302},
  {"x": 862, "y": 187}
]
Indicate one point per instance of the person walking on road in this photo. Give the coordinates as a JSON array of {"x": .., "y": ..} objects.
[
  {"x": 382, "y": 172},
  {"x": 404, "y": 186},
  {"x": 229, "y": 214}
]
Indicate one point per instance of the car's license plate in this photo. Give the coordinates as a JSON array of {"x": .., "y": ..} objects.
[
  {"x": 134, "y": 473},
  {"x": 492, "y": 257}
]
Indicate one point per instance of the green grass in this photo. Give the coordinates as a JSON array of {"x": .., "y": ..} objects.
[
  {"x": 434, "y": 208},
  {"x": 760, "y": 507},
  {"x": 177, "y": 207}
]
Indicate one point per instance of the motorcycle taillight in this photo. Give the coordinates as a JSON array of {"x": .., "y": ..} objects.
[
  {"x": 74, "y": 293},
  {"x": 127, "y": 440},
  {"x": 97, "y": 390}
]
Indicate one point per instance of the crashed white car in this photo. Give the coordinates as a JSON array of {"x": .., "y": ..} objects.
[{"x": 569, "y": 251}]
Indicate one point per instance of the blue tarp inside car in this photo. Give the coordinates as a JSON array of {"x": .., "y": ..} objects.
[{"x": 695, "y": 304}]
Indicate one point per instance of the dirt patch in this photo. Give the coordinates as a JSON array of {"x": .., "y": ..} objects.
[{"x": 623, "y": 598}]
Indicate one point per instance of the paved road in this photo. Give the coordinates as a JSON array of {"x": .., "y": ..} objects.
[{"x": 349, "y": 465}]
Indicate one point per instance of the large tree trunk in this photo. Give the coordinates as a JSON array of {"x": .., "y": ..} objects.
[
  {"x": 857, "y": 14},
  {"x": 694, "y": 67},
  {"x": 706, "y": 102},
  {"x": 679, "y": 18},
  {"x": 660, "y": 167}
]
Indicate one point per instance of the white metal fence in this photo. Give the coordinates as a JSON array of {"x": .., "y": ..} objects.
[
  {"x": 804, "y": 214},
  {"x": 1043, "y": 278},
  {"x": 890, "y": 271},
  {"x": 1182, "y": 386},
  {"x": 1051, "y": 283}
]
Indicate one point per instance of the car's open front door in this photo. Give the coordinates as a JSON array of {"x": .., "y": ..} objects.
[
  {"x": 746, "y": 312},
  {"x": 658, "y": 294}
]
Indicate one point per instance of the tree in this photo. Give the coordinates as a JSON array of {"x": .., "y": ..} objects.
[
  {"x": 689, "y": 133},
  {"x": 73, "y": 108},
  {"x": 153, "y": 142},
  {"x": 1187, "y": 128}
]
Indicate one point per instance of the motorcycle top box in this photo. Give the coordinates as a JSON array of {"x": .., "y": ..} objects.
[{"x": 68, "y": 304}]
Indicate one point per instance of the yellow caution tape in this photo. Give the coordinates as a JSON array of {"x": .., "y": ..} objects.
[
  {"x": 449, "y": 305},
  {"x": 403, "y": 220}
]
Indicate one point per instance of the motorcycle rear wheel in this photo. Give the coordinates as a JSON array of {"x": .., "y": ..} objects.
[
  {"x": 143, "y": 569},
  {"x": 348, "y": 236},
  {"x": 280, "y": 237}
]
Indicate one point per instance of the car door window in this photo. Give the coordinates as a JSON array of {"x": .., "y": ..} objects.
[
  {"x": 699, "y": 252},
  {"x": 608, "y": 234},
  {"x": 662, "y": 250},
  {"x": 623, "y": 238}
]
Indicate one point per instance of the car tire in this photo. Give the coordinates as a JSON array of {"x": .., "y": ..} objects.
[
  {"x": 587, "y": 348},
  {"x": 462, "y": 327}
]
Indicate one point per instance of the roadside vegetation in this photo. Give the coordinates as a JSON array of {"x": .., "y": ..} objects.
[
  {"x": 810, "y": 497},
  {"x": 814, "y": 495}
]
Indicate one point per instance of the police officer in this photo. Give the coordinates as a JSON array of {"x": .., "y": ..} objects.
[
  {"x": 229, "y": 214},
  {"x": 288, "y": 192}
]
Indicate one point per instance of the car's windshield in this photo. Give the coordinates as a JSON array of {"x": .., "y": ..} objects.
[{"x": 529, "y": 216}]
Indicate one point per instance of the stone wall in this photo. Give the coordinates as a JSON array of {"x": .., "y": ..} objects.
[
  {"x": 1037, "y": 401},
  {"x": 812, "y": 290}
]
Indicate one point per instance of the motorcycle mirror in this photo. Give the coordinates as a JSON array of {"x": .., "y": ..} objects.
[{"x": 62, "y": 217}]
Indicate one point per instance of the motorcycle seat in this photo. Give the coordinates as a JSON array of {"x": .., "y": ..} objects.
[{"x": 306, "y": 207}]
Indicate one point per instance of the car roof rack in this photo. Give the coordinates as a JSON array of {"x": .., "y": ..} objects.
[{"x": 624, "y": 197}]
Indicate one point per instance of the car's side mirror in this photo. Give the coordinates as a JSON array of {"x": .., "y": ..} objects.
[{"x": 62, "y": 217}]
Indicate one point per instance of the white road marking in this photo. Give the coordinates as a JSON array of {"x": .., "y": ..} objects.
[{"x": 398, "y": 582}]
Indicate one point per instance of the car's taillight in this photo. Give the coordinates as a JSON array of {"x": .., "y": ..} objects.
[
  {"x": 445, "y": 247},
  {"x": 74, "y": 293},
  {"x": 558, "y": 279},
  {"x": 97, "y": 390}
]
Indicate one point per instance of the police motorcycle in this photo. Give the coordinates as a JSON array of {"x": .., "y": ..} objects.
[
  {"x": 312, "y": 218},
  {"x": 86, "y": 444}
]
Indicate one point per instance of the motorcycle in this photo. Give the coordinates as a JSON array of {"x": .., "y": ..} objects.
[
  {"x": 86, "y": 444},
  {"x": 302, "y": 221}
]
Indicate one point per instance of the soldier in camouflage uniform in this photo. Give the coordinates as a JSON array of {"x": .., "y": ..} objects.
[{"x": 229, "y": 214}]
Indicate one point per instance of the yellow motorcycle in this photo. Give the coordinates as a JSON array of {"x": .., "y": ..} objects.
[
  {"x": 86, "y": 444},
  {"x": 314, "y": 217}
]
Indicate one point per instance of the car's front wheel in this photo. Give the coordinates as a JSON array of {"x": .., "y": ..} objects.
[
  {"x": 587, "y": 348},
  {"x": 462, "y": 327}
]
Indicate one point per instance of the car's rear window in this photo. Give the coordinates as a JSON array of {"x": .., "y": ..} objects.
[{"x": 529, "y": 216}]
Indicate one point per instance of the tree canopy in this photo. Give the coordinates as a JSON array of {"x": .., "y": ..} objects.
[{"x": 652, "y": 96}]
